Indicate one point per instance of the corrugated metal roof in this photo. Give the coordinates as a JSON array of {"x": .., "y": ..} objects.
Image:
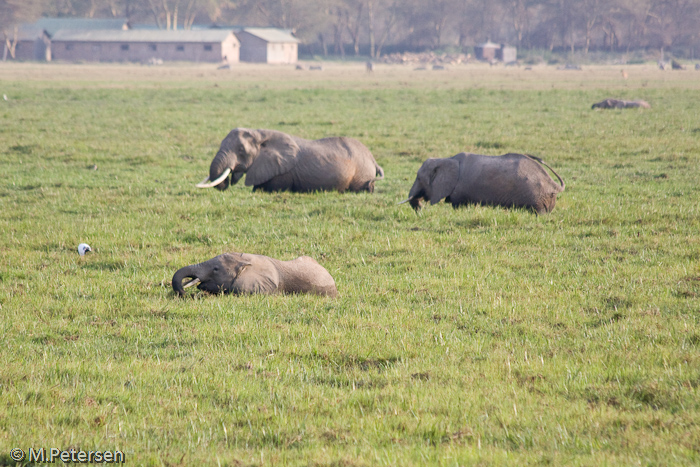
[
  {"x": 28, "y": 32},
  {"x": 143, "y": 35},
  {"x": 51, "y": 25},
  {"x": 271, "y": 34}
]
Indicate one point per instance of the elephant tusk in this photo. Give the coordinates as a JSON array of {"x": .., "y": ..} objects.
[
  {"x": 222, "y": 177},
  {"x": 191, "y": 283},
  {"x": 405, "y": 201}
]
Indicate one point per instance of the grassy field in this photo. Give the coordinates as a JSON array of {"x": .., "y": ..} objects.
[{"x": 471, "y": 336}]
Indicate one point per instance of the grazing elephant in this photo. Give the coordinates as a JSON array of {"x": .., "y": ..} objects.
[
  {"x": 620, "y": 104},
  {"x": 243, "y": 273},
  {"x": 275, "y": 161},
  {"x": 510, "y": 180}
]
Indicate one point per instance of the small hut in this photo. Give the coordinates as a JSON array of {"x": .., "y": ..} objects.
[
  {"x": 490, "y": 51},
  {"x": 507, "y": 54},
  {"x": 268, "y": 45},
  {"x": 486, "y": 51}
]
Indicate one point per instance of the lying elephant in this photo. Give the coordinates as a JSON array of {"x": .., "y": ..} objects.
[
  {"x": 243, "y": 273},
  {"x": 620, "y": 104},
  {"x": 514, "y": 180},
  {"x": 275, "y": 161}
]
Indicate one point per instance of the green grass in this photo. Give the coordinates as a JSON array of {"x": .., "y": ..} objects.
[{"x": 478, "y": 335}]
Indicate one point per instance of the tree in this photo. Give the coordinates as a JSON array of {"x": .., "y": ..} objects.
[
  {"x": 12, "y": 13},
  {"x": 674, "y": 22},
  {"x": 590, "y": 13},
  {"x": 479, "y": 20},
  {"x": 522, "y": 14},
  {"x": 353, "y": 21},
  {"x": 390, "y": 18}
]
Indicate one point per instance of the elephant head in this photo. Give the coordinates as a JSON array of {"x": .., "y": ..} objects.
[
  {"x": 261, "y": 154},
  {"x": 215, "y": 275},
  {"x": 436, "y": 179}
]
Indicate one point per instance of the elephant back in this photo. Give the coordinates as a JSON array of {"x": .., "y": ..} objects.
[{"x": 305, "y": 275}]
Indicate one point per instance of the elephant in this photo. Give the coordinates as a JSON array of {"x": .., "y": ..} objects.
[
  {"x": 510, "y": 180},
  {"x": 244, "y": 273},
  {"x": 276, "y": 161},
  {"x": 620, "y": 104}
]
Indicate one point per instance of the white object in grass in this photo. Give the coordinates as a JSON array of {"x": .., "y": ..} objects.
[{"x": 84, "y": 248}]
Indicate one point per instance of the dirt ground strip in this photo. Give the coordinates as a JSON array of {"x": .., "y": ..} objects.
[{"x": 354, "y": 75}]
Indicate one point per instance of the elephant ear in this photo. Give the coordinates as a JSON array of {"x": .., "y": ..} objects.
[
  {"x": 256, "y": 275},
  {"x": 277, "y": 156},
  {"x": 439, "y": 178}
]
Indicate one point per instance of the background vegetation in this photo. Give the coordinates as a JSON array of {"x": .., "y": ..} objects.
[
  {"x": 477, "y": 335},
  {"x": 369, "y": 27}
]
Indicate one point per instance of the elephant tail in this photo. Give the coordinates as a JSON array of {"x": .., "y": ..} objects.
[
  {"x": 561, "y": 182},
  {"x": 379, "y": 172}
]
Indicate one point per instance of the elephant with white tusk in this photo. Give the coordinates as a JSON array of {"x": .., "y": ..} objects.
[
  {"x": 511, "y": 180},
  {"x": 276, "y": 161},
  {"x": 243, "y": 273}
]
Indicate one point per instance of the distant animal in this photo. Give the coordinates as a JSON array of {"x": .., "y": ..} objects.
[
  {"x": 438, "y": 67},
  {"x": 370, "y": 67},
  {"x": 275, "y": 161},
  {"x": 662, "y": 65},
  {"x": 243, "y": 273},
  {"x": 569, "y": 66},
  {"x": 620, "y": 104},
  {"x": 300, "y": 67},
  {"x": 677, "y": 65},
  {"x": 697, "y": 67},
  {"x": 624, "y": 74},
  {"x": 510, "y": 180},
  {"x": 316, "y": 67}
]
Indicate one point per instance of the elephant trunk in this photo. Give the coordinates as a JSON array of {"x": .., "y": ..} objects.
[
  {"x": 191, "y": 272},
  {"x": 415, "y": 195},
  {"x": 219, "y": 171},
  {"x": 220, "y": 167}
]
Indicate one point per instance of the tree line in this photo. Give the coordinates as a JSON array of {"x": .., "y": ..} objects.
[{"x": 370, "y": 27}]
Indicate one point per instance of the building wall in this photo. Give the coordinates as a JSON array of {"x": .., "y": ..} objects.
[
  {"x": 37, "y": 49},
  {"x": 485, "y": 53},
  {"x": 230, "y": 50},
  {"x": 508, "y": 54},
  {"x": 142, "y": 52},
  {"x": 253, "y": 49},
  {"x": 282, "y": 52},
  {"x": 25, "y": 50}
]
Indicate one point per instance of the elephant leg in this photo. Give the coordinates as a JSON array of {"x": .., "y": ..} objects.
[
  {"x": 282, "y": 183},
  {"x": 358, "y": 186}
]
